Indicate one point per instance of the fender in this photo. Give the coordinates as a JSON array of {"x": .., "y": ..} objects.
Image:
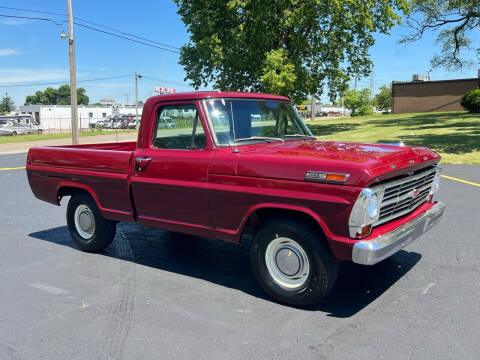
[
  {"x": 234, "y": 235},
  {"x": 110, "y": 214}
]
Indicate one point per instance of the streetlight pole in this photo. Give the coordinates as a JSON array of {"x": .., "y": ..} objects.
[
  {"x": 137, "y": 76},
  {"x": 73, "y": 74},
  {"x": 313, "y": 107}
]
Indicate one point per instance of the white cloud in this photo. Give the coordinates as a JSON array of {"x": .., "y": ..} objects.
[
  {"x": 18, "y": 76},
  {"x": 13, "y": 21},
  {"x": 7, "y": 52},
  {"x": 108, "y": 85}
]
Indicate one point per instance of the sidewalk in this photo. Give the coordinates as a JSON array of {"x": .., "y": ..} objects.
[{"x": 22, "y": 147}]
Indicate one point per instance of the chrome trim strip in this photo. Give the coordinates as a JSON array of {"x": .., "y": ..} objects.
[{"x": 369, "y": 252}]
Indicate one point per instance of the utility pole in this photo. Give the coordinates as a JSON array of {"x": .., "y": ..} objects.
[
  {"x": 314, "y": 107},
  {"x": 356, "y": 82},
  {"x": 372, "y": 83},
  {"x": 127, "y": 96},
  {"x": 73, "y": 74},
  {"x": 137, "y": 76}
]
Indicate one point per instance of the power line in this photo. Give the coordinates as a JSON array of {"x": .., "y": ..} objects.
[
  {"x": 126, "y": 38},
  {"x": 91, "y": 22},
  {"x": 33, "y": 18},
  {"x": 165, "y": 81},
  {"x": 128, "y": 34},
  {"x": 34, "y": 11},
  {"x": 63, "y": 82},
  {"x": 91, "y": 28}
]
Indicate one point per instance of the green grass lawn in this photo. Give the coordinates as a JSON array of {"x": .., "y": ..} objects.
[
  {"x": 35, "y": 137},
  {"x": 455, "y": 135}
]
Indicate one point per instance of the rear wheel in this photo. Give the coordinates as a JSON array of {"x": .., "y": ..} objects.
[
  {"x": 14, "y": 133},
  {"x": 88, "y": 229},
  {"x": 292, "y": 262}
]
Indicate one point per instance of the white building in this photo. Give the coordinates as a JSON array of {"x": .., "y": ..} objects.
[{"x": 59, "y": 116}]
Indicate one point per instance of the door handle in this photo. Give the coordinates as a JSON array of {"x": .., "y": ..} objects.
[{"x": 141, "y": 163}]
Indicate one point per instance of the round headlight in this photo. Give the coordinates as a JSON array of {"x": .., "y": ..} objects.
[
  {"x": 436, "y": 183},
  {"x": 372, "y": 206}
]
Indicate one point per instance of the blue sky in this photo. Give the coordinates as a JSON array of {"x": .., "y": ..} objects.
[{"x": 32, "y": 51}]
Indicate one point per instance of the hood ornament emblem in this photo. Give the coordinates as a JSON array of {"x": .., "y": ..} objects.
[{"x": 414, "y": 193}]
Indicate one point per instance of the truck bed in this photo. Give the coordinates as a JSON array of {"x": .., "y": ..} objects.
[{"x": 103, "y": 170}]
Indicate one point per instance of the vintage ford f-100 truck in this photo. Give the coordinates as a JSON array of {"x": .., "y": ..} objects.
[{"x": 232, "y": 164}]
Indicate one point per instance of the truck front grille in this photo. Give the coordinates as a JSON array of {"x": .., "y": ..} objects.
[{"x": 404, "y": 195}]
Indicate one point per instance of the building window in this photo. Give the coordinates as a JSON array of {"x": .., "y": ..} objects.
[
  {"x": 104, "y": 115},
  {"x": 90, "y": 115}
]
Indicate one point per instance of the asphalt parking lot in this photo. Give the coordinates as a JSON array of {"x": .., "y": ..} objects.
[{"x": 157, "y": 295}]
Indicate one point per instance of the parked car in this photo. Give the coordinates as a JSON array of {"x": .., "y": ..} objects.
[
  {"x": 165, "y": 122},
  {"x": 113, "y": 122},
  {"x": 306, "y": 204},
  {"x": 100, "y": 123},
  {"x": 133, "y": 124}
]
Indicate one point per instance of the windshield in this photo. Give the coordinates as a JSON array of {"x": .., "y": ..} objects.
[{"x": 239, "y": 120}]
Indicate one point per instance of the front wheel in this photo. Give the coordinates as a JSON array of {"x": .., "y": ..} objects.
[
  {"x": 292, "y": 262},
  {"x": 88, "y": 229}
]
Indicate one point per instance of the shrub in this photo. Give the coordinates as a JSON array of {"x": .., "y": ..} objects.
[
  {"x": 471, "y": 101},
  {"x": 364, "y": 110}
]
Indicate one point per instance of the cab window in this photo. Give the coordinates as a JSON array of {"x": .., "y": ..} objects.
[{"x": 179, "y": 127}]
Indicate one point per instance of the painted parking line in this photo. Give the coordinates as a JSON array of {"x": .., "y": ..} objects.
[
  {"x": 445, "y": 176},
  {"x": 12, "y": 168},
  {"x": 461, "y": 180}
]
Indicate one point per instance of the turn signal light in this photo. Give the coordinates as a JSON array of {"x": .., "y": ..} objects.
[
  {"x": 366, "y": 230},
  {"x": 336, "y": 177},
  {"x": 326, "y": 177}
]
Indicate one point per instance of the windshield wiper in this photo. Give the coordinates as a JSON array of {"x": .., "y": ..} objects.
[
  {"x": 302, "y": 136},
  {"x": 261, "y": 138}
]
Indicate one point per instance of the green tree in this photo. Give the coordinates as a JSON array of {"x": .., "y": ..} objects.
[
  {"x": 456, "y": 22},
  {"x": 82, "y": 97},
  {"x": 6, "y": 104},
  {"x": 383, "y": 100},
  {"x": 290, "y": 47},
  {"x": 63, "y": 94},
  {"x": 60, "y": 96},
  {"x": 359, "y": 102}
]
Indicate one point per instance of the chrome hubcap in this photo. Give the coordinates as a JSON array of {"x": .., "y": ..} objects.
[
  {"x": 84, "y": 221},
  {"x": 287, "y": 263}
]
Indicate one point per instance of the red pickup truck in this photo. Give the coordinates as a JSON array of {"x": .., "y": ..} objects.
[{"x": 227, "y": 164}]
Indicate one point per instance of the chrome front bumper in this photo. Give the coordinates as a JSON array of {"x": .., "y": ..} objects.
[{"x": 369, "y": 252}]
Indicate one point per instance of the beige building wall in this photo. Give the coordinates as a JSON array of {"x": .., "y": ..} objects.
[{"x": 435, "y": 96}]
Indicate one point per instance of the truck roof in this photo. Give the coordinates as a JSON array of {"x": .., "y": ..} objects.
[{"x": 195, "y": 95}]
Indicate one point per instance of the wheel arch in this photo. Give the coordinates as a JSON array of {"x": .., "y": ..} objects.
[
  {"x": 261, "y": 212},
  {"x": 70, "y": 189}
]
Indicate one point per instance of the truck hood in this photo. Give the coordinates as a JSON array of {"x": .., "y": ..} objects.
[{"x": 365, "y": 163}]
